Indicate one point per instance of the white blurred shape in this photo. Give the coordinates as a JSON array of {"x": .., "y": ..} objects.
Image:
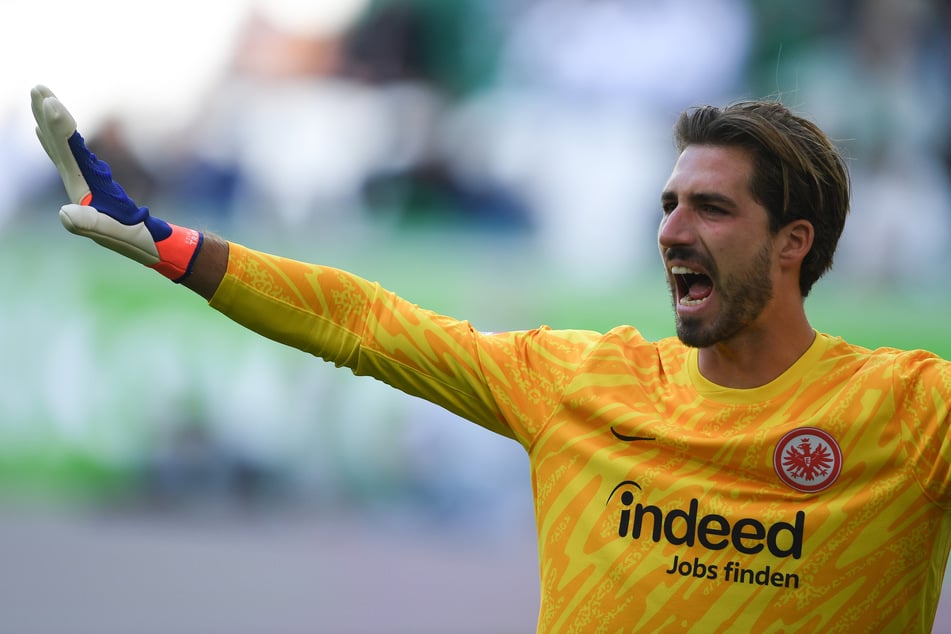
[
  {"x": 304, "y": 146},
  {"x": 309, "y": 17},
  {"x": 109, "y": 56}
]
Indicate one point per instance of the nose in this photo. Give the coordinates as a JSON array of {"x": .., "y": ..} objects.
[{"x": 674, "y": 228}]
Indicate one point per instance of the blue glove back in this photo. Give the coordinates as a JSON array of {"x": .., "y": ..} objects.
[{"x": 107, "y": 196}]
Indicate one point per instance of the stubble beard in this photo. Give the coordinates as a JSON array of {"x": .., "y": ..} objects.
[{"x": 742, "y": 299}]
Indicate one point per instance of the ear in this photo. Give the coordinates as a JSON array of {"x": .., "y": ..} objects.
[{"x": 795, "y": 242}]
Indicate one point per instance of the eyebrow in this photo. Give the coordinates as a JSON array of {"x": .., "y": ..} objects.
[{"x": 700, "y": 198}]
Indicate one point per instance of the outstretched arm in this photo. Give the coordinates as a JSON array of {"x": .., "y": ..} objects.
[{"x": 101, "y": 210}]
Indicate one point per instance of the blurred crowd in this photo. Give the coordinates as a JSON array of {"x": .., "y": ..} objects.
[{"x": 550, "y": 118}]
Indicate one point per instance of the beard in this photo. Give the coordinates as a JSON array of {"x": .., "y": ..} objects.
[{"x": 742, "y": 299}]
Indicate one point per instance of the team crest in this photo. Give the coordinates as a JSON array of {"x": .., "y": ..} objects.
[{"x": 808, "y": 459}]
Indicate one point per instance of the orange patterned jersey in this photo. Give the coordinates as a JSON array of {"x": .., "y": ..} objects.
[{"x": 664, "y": 502}]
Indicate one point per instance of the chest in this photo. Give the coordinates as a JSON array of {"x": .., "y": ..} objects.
[{"x": 612, "y": 448}]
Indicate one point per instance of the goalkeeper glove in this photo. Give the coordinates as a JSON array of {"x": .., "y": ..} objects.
[{"x": 99, "y": 208}]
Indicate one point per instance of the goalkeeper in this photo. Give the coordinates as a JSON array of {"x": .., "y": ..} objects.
[{"x": 749, "y": 474}]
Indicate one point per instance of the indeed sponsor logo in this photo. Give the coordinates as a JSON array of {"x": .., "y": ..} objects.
[{"x": 714, "y": 532}]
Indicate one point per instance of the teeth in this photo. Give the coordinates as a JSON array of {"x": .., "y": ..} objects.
[
  {"x": 683, "y": 270},
  {"x": 686, "y": 301}
]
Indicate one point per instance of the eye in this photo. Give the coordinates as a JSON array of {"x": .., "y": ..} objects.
[
  {"x": 668, "y": 207},
  {"x": 713, "y": 210}
]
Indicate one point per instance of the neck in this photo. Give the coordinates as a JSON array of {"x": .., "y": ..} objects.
[{"x": 757, "y": 355}]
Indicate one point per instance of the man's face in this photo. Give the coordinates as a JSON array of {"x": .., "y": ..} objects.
[{"x": 715, "y": 242}]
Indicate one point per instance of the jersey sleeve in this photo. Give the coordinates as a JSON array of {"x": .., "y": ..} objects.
[
  {"x": 924, "y": 382},
  {"x": 508, "y": 382}
]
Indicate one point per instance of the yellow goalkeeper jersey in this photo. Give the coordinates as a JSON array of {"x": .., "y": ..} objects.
[{"x": 664, "y": 502}]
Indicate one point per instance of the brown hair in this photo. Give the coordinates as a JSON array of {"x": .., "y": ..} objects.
[{"x": 798, "y": 174}]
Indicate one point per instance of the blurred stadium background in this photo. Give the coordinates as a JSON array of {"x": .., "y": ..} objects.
[{"x": 162, "y": 470}]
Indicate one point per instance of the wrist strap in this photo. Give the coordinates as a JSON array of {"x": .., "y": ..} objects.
[{"x": 177, "y": 253}]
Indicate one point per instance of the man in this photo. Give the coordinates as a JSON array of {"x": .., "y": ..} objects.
[{"x": 748, "y": 475}]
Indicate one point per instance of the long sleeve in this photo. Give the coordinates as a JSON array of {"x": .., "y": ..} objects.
[{"x": 507, "y": 382}]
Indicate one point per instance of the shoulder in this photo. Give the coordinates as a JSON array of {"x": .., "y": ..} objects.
[
  {"x": 624, "y": 340},
  {"x": 634, "y": 346},
  {"x": 632, "y": 337},
  {"x": 620, "y": 348},
  {"x": 903, "y": 366}
]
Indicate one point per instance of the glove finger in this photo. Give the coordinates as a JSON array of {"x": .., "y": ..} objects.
[
  {"x": 60, "y": 127},
  {"x": 52, "y": 122},
  {"x": 58, "y": 119},
  {"x": 55, "y": 125},
  {"x": 132, "y": 241},
  {"x": 43, "y": 131},
  {"x": 46, "y": 147},
  {"x": 38, "y": 94}
]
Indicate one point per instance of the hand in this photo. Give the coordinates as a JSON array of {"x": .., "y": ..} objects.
[{"x": 99, "y": 208}]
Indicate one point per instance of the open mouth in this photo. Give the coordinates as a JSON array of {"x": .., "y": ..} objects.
[{"x": 693, "y": 287}]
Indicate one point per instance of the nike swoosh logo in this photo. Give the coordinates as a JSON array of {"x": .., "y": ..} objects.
[{"x": 621, "y": 436}]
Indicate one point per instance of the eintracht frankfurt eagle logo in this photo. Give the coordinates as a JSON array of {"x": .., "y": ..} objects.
[{"x": 808, "y": 459}]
